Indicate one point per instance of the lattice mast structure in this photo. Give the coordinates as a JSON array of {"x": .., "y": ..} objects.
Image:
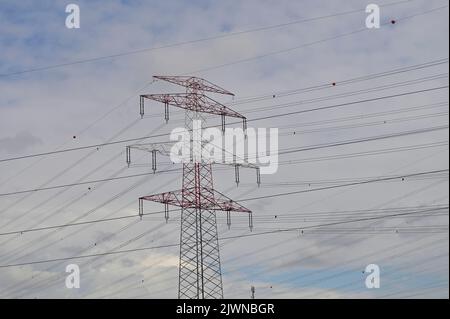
[{"x": 199, "y": 265}]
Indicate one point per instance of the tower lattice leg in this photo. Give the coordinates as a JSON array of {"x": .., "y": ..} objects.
[{"x": 199, "y": 270}]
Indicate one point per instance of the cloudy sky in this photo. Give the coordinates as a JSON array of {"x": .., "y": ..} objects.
[{"x": 66, "y": 88}]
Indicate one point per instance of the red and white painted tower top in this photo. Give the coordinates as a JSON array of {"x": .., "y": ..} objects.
[{"x": 194, "y": 83}]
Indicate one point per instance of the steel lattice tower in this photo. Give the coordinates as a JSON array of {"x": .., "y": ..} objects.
[{"x": 199, "y": 266}]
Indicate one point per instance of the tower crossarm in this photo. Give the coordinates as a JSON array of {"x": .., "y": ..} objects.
[
  {"x": 196, "y": 102},
  {"x": 209, "y": 199},
  {"x": 194, "y": 83},
  {"x": 163, "y": 147},
  {"x": 243, "y": 164},
  {"x": 171, "y": 198}
]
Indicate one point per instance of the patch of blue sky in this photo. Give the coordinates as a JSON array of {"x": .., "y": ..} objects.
[{"x": 341, "y": 279}]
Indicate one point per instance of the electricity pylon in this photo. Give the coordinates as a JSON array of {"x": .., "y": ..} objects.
[{"x": 199, "y": 266}]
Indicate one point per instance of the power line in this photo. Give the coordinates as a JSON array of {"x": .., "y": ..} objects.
[
  {"x": 288, "y": 151},
  {"x": 429, "y": 64},
  {"x": 71, "y": 166},
  {"x": 107, "y": 113},
  {"x": 409, "y": 266},
  {"x": 370, "y": 115},
  {"x": 249, "y": 120},
  {"x": 137, "y": 216},
  {"x": 87, "y": 182},
  {"x": 383, "y": 87},
  {"x": 222, "y": 238},
  {"x": 346, "y": 104},
  {"x": 368, "y": 139},
  {"x": 339, "y": 180},
  {"x": 89, "y": 262},
  {"x": 157, "y": 282},
  {"x": 89, "y": 212},
  {"x": 344, "y": 185},
  {"x": 230, "y": 241},
  {"x": 137, "y": 184},
  {"x": 327, "y": 85},
  {"x": 367, "y": 153},
  {"x": 301, "y": 216},
  {"x": 335, "y": 96},
  {"x": 414, "y": 249},
  {"x": 83, "y": 177},
  {"x": 77, "y": 232},
  {"x": 339, "y": 36},
  {"x": 349, "y": 155},
  {"x": 182, "y": 43},
  {"x": 291, "y": 131},
  {"x": 153, "y": 82},
  {"x": 277, "y": 257},
  {"x": 17, "y": 287},
  {"x": 333, "y": 239}
]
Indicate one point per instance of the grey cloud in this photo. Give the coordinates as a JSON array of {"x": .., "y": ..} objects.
[{"x": 19, "y": 142}]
